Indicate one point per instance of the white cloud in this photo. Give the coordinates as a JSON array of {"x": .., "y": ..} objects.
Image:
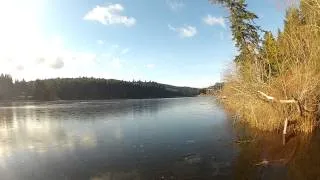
[
  {"x": 40, "y": 60},
  {"x": 44, "y": 58},
  {"x": 57, "y": 63},
  {"x": 110, "y": 14},
  {"x": 175, "y": 4},
  {"x": 171, "y": 27},
  {"x": 115, "y": 63},
  {"x": 125, "y": 51},
  {"x": 20, "y": 67},
  {"x": 185, "y": 31},
  {"x": 211, "y": 20},
  {"x": 100, "y": 42},
  {"x": 115, "y": 46},
  {"x": 150, "y": 66}
]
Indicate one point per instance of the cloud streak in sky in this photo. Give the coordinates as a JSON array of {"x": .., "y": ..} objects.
[
  {"x": 150, "y": 66},
  {"x": 109, "y": 15},
  {"x": 100, "y": 42},
  {"x": 212, "y": 21},
  {"x": 57, "y": 63},
  {"x": 186, "y": 31},
  {"x": 125, "y": 51},
  {"x": 175, "y": 5}
]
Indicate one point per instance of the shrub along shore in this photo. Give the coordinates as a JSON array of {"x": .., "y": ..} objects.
[{"x": 275, "y": 77}]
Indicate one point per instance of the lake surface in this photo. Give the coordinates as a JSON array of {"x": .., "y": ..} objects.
[{"x": 179, "y": 138}]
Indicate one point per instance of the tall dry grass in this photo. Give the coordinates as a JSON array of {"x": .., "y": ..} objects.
[{"x": 297, "y": 60}]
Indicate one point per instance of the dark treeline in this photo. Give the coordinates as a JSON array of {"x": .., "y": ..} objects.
[
  {"x": 212, "y": 90},
  {"x": 87, "y": 88}
]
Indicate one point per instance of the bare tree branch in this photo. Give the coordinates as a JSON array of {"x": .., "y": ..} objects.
[{"x": 273, "y": 99}]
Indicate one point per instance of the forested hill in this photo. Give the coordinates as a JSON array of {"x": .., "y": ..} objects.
[{"x": 87, "y": 88}]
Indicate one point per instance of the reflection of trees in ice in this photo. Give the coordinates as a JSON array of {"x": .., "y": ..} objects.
[
  {"x": 40, "y": 127},
  {"x": 120, "y": 139},
  {"x": 132, "y": 175},
  {"x": 35, "y": 131}
]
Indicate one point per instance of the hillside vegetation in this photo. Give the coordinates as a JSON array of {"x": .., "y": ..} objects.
[
  {"x": 87, "y": 88},
  {"x": 276, "y": 76}
]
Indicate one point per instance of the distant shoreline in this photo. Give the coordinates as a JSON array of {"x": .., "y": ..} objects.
[
  {"x": 88, "y": 89},
  {"x": 30, "y": 100}
]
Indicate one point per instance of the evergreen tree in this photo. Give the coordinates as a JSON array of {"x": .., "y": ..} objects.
[
  {"x": 269, "y": 53},
  {"x": 6, "y": 86},
  {"x": 244, "y": 31}
]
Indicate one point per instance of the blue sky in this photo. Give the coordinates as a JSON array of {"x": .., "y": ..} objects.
[{"x": 179, "y": 42}]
